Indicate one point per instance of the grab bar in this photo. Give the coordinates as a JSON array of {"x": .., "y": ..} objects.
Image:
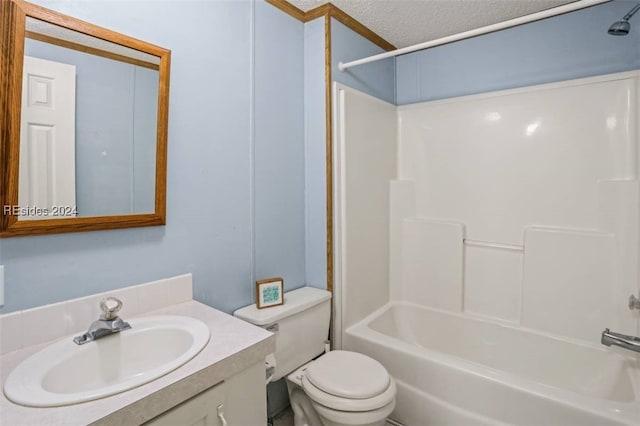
[
  {"x": 499, "y": 246},
  {"x": 624, "y": 341}
]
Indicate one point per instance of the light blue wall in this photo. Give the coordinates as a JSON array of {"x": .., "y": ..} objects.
[
  {"x": 279, "y": 146},
  {"x": 376, "y": 78},
  {"x": 564, "y": 47},
  {"x": 115, "y": 116},
  {"x": 210, "y": 223},
  {"x": 315, "y": 145}
]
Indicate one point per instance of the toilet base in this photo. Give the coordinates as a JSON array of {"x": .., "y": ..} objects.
[
  {"x": 303, "y": 412},
  {"x": 309, "y": 413},
  {"x": 330, "y": 417}
]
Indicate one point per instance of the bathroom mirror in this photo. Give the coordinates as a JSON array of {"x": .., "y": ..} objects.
[{"x": 83, "y": 116}]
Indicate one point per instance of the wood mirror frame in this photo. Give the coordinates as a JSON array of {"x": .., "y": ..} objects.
[{"x": 13, "y": 17}]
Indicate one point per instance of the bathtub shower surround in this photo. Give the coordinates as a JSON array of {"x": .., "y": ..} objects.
[
  {"x": 512, "y": 244},
  {"x": 526, "y": 203}
]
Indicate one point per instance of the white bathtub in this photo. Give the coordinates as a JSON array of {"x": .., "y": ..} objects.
[{"x": 456, "y": 370}]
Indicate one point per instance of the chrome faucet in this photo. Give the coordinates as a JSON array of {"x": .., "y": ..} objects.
[
  {"x": 107, "y": 324},
  {"x": 634, "y": 302},
  {"x": 628, "y": 342}
]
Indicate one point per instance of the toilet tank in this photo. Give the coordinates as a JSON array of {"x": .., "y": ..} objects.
[{"x": 301, "y": 326}]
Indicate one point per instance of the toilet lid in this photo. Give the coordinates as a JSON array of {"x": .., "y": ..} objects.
[{"x": 348, "y": 375}]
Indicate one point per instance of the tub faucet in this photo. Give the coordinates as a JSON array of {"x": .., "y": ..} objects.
[
  {"x": 628, "y": 342},
  {"x": 107, "y": 324}
]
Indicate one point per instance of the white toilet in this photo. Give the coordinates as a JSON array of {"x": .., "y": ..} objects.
[{"x": 338, "y": 388}]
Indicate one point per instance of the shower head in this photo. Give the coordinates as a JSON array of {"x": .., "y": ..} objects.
[{"x": 622, "y": 27}]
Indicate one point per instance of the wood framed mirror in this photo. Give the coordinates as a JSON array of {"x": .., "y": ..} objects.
[{"x": 83, "y": 125}]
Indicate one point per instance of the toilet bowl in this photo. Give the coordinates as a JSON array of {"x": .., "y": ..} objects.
[
  {"x": 341, "y": 388},
  {"x": 338, "y": 387}
]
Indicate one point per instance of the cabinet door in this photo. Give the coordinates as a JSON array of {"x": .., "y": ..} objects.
[
  {"x": 205, "y": 409},
  {"x": 247, "y": 397}
]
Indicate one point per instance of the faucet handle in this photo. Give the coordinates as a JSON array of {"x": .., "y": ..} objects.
[
  {"x": 634, "y": 302},
  {"x": 110, "y": 307}
]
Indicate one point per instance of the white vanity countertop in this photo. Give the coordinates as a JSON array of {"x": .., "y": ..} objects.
[{"x": 234, "y": 345}]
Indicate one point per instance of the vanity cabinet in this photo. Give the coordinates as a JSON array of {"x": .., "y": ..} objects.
[
  {"x": 229, "y": 370},
  {"x": 239, "y": 400},
  {"x": 206, "y": 409}
]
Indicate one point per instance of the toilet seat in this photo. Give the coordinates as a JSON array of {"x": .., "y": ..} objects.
[
  {"x": 348, "y": 375},
  {"x": 346, "y": 404},
  {"x": 348, "y": 381}
]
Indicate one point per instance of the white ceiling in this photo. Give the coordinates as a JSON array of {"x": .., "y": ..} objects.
[{"x": 407, "y": 22}]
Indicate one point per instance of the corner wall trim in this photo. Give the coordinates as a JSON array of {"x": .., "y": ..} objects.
[
  {"x": 346, "y": 19},
  {"x": 329, "y": 149},
  {"x": 289, "y": 9},
  {"x": 331, "y": 10}
]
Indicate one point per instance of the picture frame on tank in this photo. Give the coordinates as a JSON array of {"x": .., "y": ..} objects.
[{"x": 269, "y": 292}]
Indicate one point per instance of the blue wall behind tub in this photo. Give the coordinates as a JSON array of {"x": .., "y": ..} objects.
[
  {"x": 376, "y": 78},
  {"x": 564, "y": 47},
  {"x": 210, "y": 226}
]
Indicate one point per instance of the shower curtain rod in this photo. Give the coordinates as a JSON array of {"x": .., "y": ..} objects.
[{"x": 580, "y": 4}]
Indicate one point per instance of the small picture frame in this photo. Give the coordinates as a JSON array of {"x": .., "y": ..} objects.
[{"x": 269, "y": 292}]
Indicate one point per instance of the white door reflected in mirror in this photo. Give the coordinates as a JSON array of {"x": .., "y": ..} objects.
[{"x": 47, "y": 141}]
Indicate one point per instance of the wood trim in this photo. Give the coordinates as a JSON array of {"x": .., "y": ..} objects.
[
  {"x": 13, "y": 15},
  {"x": 90, "y": 50},
  {"x": 329, "y": 9},
  {"x": 11, "y": 77},
  {"x": 358, "y": 27},
  {"x": 317, "y": 12},
  {"x": 343, "y": 17},
  {"x": 289, "y": 9},
  {"x": 162, "y": 137},
  {"x": 79, "y": 224},
  {"x": 329, "y": 149}
]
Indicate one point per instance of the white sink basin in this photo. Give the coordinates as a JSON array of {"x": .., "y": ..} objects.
[{"x": 65, "y": 373}]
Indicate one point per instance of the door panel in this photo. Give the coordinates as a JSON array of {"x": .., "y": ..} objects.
[{"x": 47, "y": 140}]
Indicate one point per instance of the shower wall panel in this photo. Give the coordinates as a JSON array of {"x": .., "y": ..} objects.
[
  {"x": 432, "y": 254},
  {"x": 543, "y": 184},
  {"x": 365, "y": 164},
  {"x": 402, "y": 205}
]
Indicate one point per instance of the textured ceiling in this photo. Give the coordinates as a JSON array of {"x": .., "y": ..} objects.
[{"x": 407, "y": 22}]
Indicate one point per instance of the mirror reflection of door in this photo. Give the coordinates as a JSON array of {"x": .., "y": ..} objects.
[
  {"x": 47, "y": 186},
  {"x": 110, "y": 161}
]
